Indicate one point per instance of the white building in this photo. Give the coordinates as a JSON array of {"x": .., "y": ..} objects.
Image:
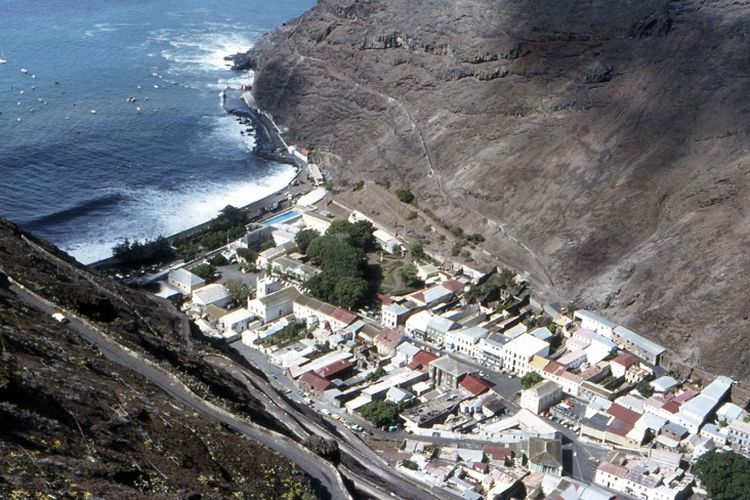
[
  {"x": 292, "y": 268},
  {"x": 266, "y": 286},
  {"x": 212, "y": 294},
  {"x": 237, "y": 320},
  {"x": 275, "y": 305},
  {"x": 466, "y": 341},
  {"x": 393, "y": 315},
  {"x": 490, "y": 350},
  {"x": 184, "y": 281},
  {"x": 739, "y": 434},
  {"x": 267, "y": 256},
  {"x": 644, "y": 479},
  {"x": 543, "y": 395},
  {"x": 429, "y": 327},
  {"x": 317, "y": 220},
  {"x": 518, "y": 353},
  {"x": 309, "y": 308},
  {"x": 695, "y": 412},
  {"x": 595, "y": 323},
  {"x": 386, "y": 241}
]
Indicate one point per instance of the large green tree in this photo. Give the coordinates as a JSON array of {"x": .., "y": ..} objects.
[
  {"x": 350, "y": 291},
  {"x": 726, "y": 476},
  {"x": 358, "y": 234},
  {"x": 238, "y": 290},
  {"x": 530, "y": 379},
  {"x": 335, "y": 254},
  {"x": 304, "y": 238},
  {"x": 380, "y": 412},
  {"x": 205, "y": 271}
]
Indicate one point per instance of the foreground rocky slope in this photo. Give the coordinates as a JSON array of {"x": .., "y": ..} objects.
[
  {"x": 73, "y": 423},
  {"x": 601, "y": 146}
]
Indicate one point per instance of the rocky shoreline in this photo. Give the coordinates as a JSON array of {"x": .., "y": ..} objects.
[{"x": 269, "y": 144}]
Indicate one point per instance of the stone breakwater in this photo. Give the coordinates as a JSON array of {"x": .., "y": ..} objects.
[{"x": 269, "y": 144}]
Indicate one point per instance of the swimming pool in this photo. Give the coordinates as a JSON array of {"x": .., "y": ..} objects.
[{"x": 284, "y": 217}]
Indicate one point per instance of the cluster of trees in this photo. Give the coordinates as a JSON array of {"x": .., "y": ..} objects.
[
  {"x": 380, "y": 412},
  {"x": 227, "y": 226},
  {"x": 409, "y": 275},
  {"x": 726, "y": 476},
  {"x": 132, "y": 255},
  {"x": 530, "y": 379},
  {"x": 346, "y": 279},
  {"x": 304, "y": 238},
  {"x": 379, "y": 372},
  {"x": 205, "y": 271},
  {"x": 238, "y": 290},
  {"x": 644, "y": 387},
  {"x": 287, "y": 335},
  {"x": 490, "y": 290}
]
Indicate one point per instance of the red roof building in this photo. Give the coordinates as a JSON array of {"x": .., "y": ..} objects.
[
  {"x": 626, "y": 360},
  {"x": 343, "y": 315},
  {"x": 385, "y": 300},
  {"x": 624, "y": 414},
  {"x": 312, "y": 382},
  {"x": 453, "y": 285},
  {"x": 335, "y": 369},
  {"x": 497, "y": 453},
  {"x": 473, "y": 385},
  {"x": 685, "y": 396},
  {"x": 613, "y": 469},
  {"x": 555, "y": 368},
  {"x": 421, "y": 361},
  {"x": 387, "y": 340}
]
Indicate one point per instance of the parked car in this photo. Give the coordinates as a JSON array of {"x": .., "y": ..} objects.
[{"x": 60, "y": 318}]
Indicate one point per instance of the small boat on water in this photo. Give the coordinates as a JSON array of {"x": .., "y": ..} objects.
[
  {"x": 3, "y": 61},
  {"x": 24, "y": 71},
  {"x": 93, "y": 111}
]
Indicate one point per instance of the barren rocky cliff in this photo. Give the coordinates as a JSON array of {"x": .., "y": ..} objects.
[
  {"x": 601, "y": 146},
  {"x": 74, "y": 424}
]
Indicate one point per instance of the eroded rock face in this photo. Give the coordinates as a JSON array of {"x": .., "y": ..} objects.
[
  {"x": 599, "y": 136},
  {"x": 73, "y": 423}
]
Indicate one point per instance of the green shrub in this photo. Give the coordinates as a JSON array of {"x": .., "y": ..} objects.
[{"x": 405, "y": 195}]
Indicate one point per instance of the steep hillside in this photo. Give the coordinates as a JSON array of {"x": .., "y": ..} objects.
[
  {"x": 601, "y": 146},
  {"x": 74, "y": 424}
]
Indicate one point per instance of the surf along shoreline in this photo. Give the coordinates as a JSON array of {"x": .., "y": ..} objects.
[{"x": 269, "y": 146}]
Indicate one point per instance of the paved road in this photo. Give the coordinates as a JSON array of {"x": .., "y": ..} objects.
[
  {"x": 382, "y": 478},
  {"x": 310, "y": 463},
  {"x": 581, "y": 463}
]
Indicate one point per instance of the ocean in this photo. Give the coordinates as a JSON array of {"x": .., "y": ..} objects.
[{"x": 84, "y": 167}]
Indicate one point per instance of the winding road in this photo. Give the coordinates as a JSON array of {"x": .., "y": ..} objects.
[{"x": 325, "y": 473}]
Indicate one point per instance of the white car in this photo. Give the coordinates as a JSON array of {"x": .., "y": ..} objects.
[{"x": 60, "y": 318}]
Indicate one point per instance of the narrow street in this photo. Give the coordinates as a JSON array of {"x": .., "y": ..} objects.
[{"x": 317, "y": 468}]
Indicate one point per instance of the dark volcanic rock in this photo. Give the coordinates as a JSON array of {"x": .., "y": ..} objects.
[
  {"x": 597, "y": 72},
  {"x": 75, "y": 425},
  {"x": 647, "y": 172}
]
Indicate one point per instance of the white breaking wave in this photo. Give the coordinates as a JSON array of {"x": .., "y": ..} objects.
[
  {"x": 235, "y": 82},
  {"x": 151, "y": 213},
  {"x": 205, "y": 47},
  {"x": 105, "y": 28},
  {"x": 225, "y": 137}
]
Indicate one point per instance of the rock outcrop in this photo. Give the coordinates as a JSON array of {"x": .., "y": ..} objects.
[
  {"x": 74, "y": 424},
  {"x": 602, "y": 147}
]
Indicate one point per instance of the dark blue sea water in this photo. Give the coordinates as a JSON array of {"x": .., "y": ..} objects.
[{"x": 82, "y": 166}]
